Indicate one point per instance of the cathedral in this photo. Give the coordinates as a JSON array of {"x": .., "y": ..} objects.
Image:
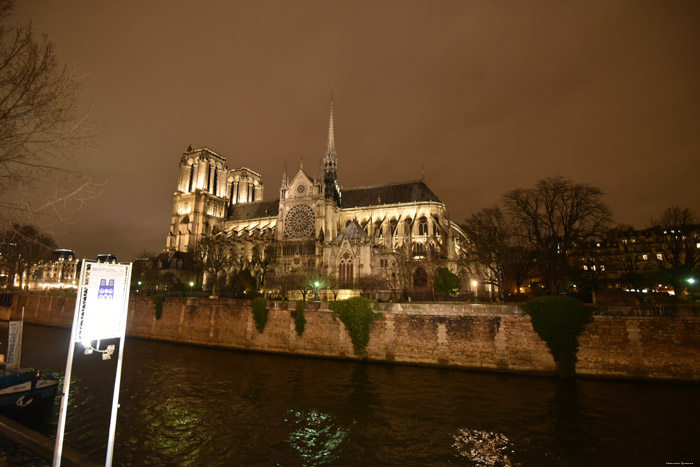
[{"x": 400, "y": 232}]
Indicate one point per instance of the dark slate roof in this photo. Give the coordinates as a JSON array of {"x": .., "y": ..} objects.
[
  {"x": 405, "y": 192},
  {"x": 254, "y": 210}
]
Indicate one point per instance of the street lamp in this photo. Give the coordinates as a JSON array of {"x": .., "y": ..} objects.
[
  {"x": 317, "y": 284},
  {"x": 474, "y": 284},
  {"x": 691, "y": 280}
]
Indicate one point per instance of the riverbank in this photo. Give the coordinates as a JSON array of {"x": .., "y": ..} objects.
[{"x": 654, "y": 343}]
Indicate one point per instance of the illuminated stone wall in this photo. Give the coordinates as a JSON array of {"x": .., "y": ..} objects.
[{"x": 657, "y": 344}]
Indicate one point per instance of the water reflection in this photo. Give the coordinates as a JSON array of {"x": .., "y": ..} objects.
[
  {"x": 484, "y": 448},
  {"x": 186, "y": 405},
  {"x": 316, "y": 436}
]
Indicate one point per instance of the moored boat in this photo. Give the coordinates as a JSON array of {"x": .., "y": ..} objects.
[
  {"x": 23, "y": 391},
  {"x": 26, "y": 392}
]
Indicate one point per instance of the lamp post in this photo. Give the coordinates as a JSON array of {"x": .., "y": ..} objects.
[
  {"x": 474, "y": 284},
  {"x": 317, "y": 284}
]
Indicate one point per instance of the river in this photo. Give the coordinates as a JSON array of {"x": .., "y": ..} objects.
[{"x": 188, "y": 405}]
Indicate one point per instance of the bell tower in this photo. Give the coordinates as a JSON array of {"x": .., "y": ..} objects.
[{"x": 199, "y": 204}]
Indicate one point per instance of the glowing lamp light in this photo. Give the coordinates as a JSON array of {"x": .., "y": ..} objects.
[
  {"x": 191, "y": 284},
  {"x": 691, "y": 280}
]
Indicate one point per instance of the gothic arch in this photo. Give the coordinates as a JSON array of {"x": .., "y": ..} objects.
[
  {"x": 423, "y": 226},
  {"x": 420, "y": 278},
  {"x": 345, "y": 272}
]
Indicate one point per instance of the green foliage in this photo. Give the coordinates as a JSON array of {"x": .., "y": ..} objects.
[
  {"x": 357, "y": 315},
  {"x": 447, "y": 284},
  {"x": 559, "y": 320},
  {"x": 299, "y": 318},
  {"x": 158, "y": 300},
  {"x": 259, "y": 305}
]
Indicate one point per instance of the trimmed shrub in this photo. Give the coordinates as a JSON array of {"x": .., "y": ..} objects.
[
  {"x": 357, "y": 315},
  {"x": 447, "y": 284},
  {"x": 559, "y": 320},
  {"x": 259, "y": 306}
]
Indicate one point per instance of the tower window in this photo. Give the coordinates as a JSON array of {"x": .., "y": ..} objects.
[{"x": 191, "y": 178}]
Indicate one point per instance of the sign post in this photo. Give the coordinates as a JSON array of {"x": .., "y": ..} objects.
[{"x": 101, "y": 309}]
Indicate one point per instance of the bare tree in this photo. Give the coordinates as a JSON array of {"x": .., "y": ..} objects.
[
  {"x": 282, "y": 281},
  {"x": 369, "y": 285},
  {"x": 678, "y": 233},
  {"x": 215, "y": 254},
  {"x": 492, "y": 245},
  {"x": 21, "y": 248},
  {"x": 556, "y": 215},
  {"x": 41, "y": 126}
]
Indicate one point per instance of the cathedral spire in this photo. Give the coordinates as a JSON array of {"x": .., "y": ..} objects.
[
  {"x": 330, "y": 162},
  {"x": 285, "y": 180},
  {"x": 330, "y": 146}
]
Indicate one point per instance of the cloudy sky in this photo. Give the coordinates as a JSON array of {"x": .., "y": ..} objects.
[{"x": 487, "y": 96}]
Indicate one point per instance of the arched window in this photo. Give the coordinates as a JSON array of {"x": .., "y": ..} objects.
[
  {"x": 392, "y": 227},
  {"x": 420, "y": 278},
  {"x": 345, "y": 271},
  {"x": 191, "y": 182},
  {"x": 418, "y": 249},
  {"x": 423, "y": 226}
]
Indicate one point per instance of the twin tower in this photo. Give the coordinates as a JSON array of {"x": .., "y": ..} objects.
[{"x": 208, "y": 190}]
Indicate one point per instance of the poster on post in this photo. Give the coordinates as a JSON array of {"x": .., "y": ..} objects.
[
  {"x": 14, "y": 344},
  {"x": 101, "y": 311},
  {"x": 103, "y": 299}
]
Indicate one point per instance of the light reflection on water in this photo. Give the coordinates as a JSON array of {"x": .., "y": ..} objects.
[
  {"x": 186, "y": 405},
  {"x": 316, "y": 437}
]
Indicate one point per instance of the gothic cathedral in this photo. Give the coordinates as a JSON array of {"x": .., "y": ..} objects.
[{"x": 400, "y": 232}]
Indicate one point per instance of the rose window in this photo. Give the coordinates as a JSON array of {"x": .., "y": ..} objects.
[{"x": 299, "y": 222}]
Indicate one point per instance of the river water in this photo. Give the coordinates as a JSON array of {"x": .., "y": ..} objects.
[{"x": 188, "y": 405}]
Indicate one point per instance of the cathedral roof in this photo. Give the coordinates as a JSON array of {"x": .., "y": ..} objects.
[
  {"x": 352, "y": 232},
  {"x": 405, "y": 192},
  {"x": 254, "y": 210}
]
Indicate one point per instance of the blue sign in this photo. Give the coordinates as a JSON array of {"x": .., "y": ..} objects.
[{"x": 106, "y": 291}]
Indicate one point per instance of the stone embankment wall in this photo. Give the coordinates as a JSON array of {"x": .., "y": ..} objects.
[{"x": 624, "y": 343}]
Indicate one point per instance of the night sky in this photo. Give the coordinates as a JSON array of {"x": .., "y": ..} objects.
[{"x": 487, "y": 96}]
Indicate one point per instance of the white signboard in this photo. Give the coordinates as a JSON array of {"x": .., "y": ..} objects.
[
  {"x": 14, "y": 344},
  {"x": 103, "y": 301}
]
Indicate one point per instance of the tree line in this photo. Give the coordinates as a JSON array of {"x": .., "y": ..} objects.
[{"x": 553, "y": 231}]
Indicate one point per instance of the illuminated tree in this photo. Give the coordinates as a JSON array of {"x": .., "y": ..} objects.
[{"x": 215, "y": 254}]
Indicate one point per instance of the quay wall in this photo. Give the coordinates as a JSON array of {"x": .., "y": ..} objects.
[{"x": 621, "y": 343}]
